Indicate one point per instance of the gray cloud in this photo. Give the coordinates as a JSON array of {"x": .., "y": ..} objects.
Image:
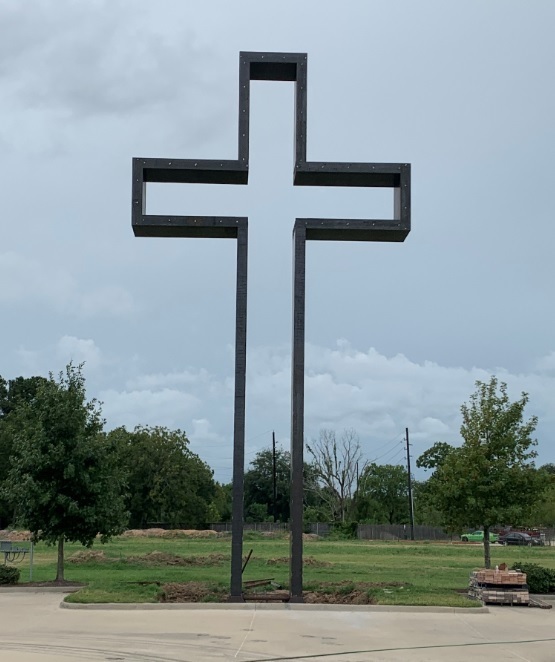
[
  {"x": 26, "y": 282},
  {"x": 375, "y": 394},
  {"x": 68, "y": 62},
  {"x": 463, "y": 94}
]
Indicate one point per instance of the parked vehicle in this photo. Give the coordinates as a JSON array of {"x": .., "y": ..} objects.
[
  {"x": 518, "y": 538},
  {"x": 478, "y": 536}
]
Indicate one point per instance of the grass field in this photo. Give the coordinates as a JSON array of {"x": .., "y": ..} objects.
[{"x": 430, "y": 573}]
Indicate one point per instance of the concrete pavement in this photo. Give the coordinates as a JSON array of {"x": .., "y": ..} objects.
[{"x": 33, "y": 628}]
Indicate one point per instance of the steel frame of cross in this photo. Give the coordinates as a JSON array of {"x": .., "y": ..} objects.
[{"x": 276, "y": 67}]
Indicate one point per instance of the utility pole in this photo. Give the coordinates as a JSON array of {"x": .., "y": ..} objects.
[
  {"x": 274, "y": 475},
  {"x": 411, "y": 503}
]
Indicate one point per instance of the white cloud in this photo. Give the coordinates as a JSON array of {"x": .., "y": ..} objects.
[
  {"x": 172, "y": 379},
  {"x": 203, "y": 431},
  {"x": 375, "y": 394},
  {"x": 379, "y": 395},
  {"x": 546, "y": 364},
  {"x": 79, "y": 350},
  {"x": 168, "y": 407},
  {"x": 430, "y": 426}
]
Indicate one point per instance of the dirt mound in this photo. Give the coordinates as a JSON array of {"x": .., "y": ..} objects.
[
  {"x": 169, "y": 533},
  {"x": 310, "y": 536},
  {"x": 192, "y": 592},
  {"x": 309, "y": 561},
  {"x": 346, "y": 592},
  {"x": 340, "y": 593},
  {"x": 354, "y": 597},
  {"x": 163, "y": 558},
  {"x": 88, "y": 556},
  {"x": 15, "y": 536}
]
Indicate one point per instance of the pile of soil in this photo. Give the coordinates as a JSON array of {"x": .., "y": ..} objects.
[
  {"x": 284, "y": 535},
  {"x": 169, "y": 533},
  {"x": 310, "y": 536},
  {"x": 347, "y": 593},
  {"x": 340, "y": 593},
  {"x": 354, "y": 597},
  {"x": 88, "y": 556},
  {"x": 15, "y": 536},
  {"x": 192, "y": 592},
  {"x": 309, "y": 561},
  {"x": 150, "y": 559},
  {"x": 163, "y": 558}
]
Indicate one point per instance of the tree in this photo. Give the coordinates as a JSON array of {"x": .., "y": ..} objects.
[
  {"x": 167, "y": 482},
  {"x": 64, "y": 478},
  {"x": 382, "y": 495},
  {"x": 259, "y": 486},
  {"x": 336, "y": 465},
  {"x": 491, "y": 478},
  {"x": 543, "y": 513},
  {"x": 425, "y": 510},
  {"x": 12, "y": 393},
  {"x": 220, "y": 509}
]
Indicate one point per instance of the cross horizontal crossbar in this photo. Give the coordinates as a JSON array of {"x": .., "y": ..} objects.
[
  {"x": 275, "y": 67},
  {"x": 221, "y": 227}
]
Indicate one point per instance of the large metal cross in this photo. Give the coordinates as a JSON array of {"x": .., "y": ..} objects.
[{"x": 283, "y": 67}]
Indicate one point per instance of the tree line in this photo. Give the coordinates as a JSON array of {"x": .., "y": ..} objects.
[{"x": 67, "y": 479}]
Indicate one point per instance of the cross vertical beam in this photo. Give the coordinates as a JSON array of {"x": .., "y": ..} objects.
[
  {"x": 236, "y": 589},
  {"x": 297, "y": 414}
]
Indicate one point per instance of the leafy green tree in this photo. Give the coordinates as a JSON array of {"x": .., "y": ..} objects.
[
  {"x": 64, "y": 478},
  {"x": 259, "y": 498},
  {"x": 434, "y": 456},
  {"x": 382, "y": 495},
  {"x": 167, "y": 482},
  {"x": 543, "y": 512},
  {"x": 425, "y": 510},
  {"x": 220, "y": 509},
  {"x": 259, "y": 485},
  {"x": 12, "y": 393},
  {"x": 491, "y": 478}
]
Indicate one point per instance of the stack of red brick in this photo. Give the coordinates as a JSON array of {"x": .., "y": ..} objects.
[{"x": 499, "y": 587}]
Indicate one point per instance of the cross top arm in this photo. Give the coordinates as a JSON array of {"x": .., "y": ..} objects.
[{"x": 275, "y": 67}]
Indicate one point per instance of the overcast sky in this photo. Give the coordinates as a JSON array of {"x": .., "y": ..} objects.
[{"x": 397, "y": 334}]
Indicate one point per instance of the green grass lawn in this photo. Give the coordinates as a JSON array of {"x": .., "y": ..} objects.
[{"x": 430, "y": 573}]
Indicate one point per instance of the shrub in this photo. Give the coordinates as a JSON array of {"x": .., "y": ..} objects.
[
  {"x": 343, "y": 531},
  {"x": 9, "y": 575},
  {"x": 540, "y": 579}
]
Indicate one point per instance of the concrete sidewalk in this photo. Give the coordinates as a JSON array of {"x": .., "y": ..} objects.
[{"x": 33, "y": 628}]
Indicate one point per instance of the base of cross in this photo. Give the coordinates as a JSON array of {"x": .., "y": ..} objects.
[
  {"x": 236, "y": 598},
  {"x": 296, "y": 599},
  {"x": 275, "y": 596}
]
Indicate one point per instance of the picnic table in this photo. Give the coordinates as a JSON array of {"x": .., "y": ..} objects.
[{"x": 11, "y": 552}]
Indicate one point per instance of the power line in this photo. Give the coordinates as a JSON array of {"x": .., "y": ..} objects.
[
  {"x": 394, "y": 439},
  {"x": 391, "y": 450}
]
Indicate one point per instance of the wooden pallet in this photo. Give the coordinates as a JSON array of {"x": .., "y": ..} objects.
[
  {"x": 275, "y": 596},
  {"x": 501, "y": 587}
]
